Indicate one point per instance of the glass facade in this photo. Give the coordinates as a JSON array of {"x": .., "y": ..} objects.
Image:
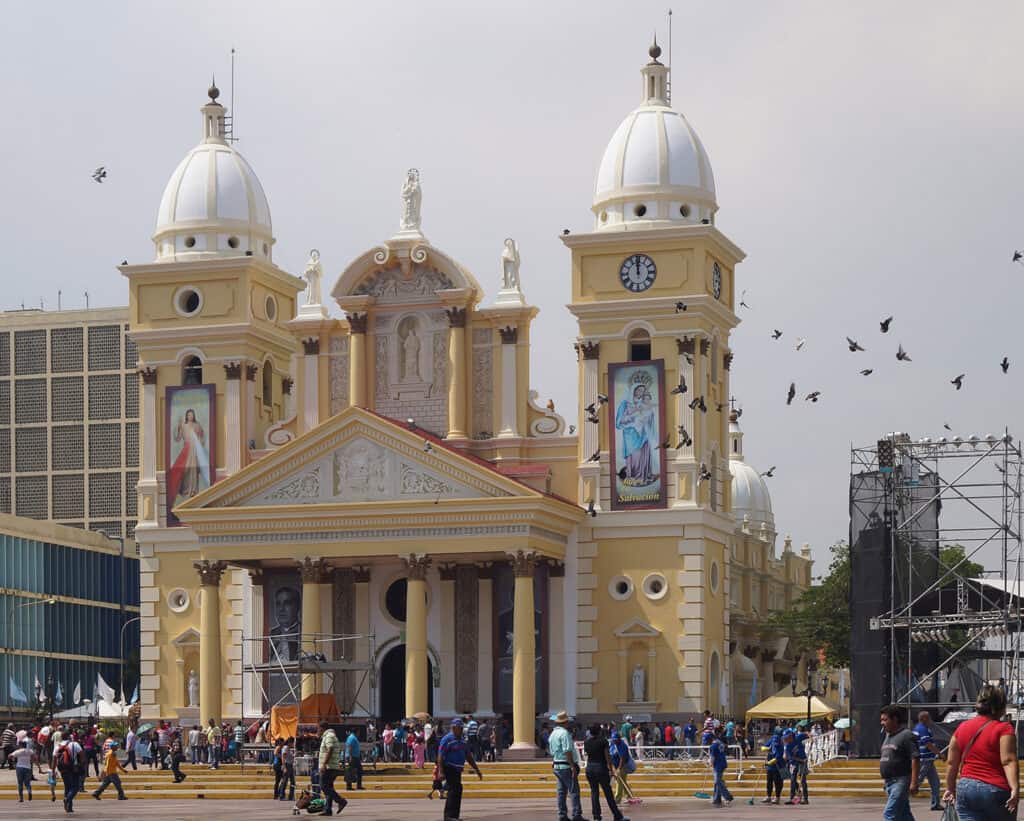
[{"x": 94, "y": 594}]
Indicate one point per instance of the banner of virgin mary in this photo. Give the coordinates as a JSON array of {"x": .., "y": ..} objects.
[{"x": 637, "y": 423}]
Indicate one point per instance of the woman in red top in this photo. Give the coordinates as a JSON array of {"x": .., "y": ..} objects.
[{"x": 983, "y": 754}]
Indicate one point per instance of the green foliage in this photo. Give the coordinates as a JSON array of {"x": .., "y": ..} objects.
[
  {"x": 950, "y": 555},
  {"x": 820, "y": 618}
]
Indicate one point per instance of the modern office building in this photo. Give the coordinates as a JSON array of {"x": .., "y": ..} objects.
[
  {"x": 69, "y": 409},
  {"x": 70, "y": 602}
]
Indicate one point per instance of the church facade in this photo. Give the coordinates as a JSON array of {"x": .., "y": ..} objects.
[{"x": 377, "y": 514}]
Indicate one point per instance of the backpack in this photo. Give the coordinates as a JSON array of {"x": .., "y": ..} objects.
[{"x": 67, "y": 761}]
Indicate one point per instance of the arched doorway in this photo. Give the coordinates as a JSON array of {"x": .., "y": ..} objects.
[{"x": 392, "y": 685}]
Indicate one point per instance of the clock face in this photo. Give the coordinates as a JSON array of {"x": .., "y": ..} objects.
[
  {"x": 716, "y": 281},
  {"x": 637, "y": 273}
]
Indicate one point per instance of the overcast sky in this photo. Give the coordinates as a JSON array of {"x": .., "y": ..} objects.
[{"x": 867, "y": 157}]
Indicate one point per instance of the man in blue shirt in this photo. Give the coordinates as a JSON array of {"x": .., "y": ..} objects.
[
  {"x": 928, "y": 750},
  {"x": 354, "y": 757},
  {"x": 690, "y": 733},
  {"x": 796, "y": 756},
  {"x": 719, "y": 763},
  {"x": 452, "y": 755},
  {"x": 774, "y": 761}
]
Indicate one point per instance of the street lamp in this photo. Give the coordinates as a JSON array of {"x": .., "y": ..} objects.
[
  {"x": 137, "y": 618},
  {"x": 809, "y": 692}
]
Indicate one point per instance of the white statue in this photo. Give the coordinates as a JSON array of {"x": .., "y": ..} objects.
[
  {"x": 411, "y": 198},
  {"x": 193, "y": 689},
  {"x": 314, "y": 273},
  {"x": 638, "y": 683},
  {"x": 411, "y": 349},
  {"x": 510, "y": 265}
]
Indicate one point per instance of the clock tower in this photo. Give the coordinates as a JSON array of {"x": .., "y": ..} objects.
[{"x": 653, "y": 291}]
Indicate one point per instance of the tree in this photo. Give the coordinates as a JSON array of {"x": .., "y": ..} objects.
[
  {"x": 950, "y": 556},
  {"x": 820, "y": 618}
]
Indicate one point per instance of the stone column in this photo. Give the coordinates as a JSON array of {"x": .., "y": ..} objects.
[
  {"x": 416, "y": 634},
  {"x": 233, "y": 415},
  {"x": 524, "y": 654},
  {"x": 254, "y": 651},
  {"x": 457, "y": 373},
  {"x": 250, "y": 409},
  {"x": 467, "y": 618},
  {"x": 591, "y": 354},
  {"x": 357, "y": 360},
  {"x": 558, "y": 660},
  {"x": 485, "y": 641},
  {"x": 446, "y": 704},
  {"x": 509, "y": 398},
  {"x": 148, "y": 508},
  {"x": 315, "y": 573},
  {"x": 211, "y": 674},
  {"x": 310, "y": 383},
  {"x": 363, "y": 689}
]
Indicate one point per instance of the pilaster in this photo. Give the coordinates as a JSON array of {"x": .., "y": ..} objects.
[
  {"x": 233, "y": 413},
  {"x": 509, "y": 379}
]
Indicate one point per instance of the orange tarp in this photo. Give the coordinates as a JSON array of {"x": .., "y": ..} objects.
[{"x": 284, "y": 719}]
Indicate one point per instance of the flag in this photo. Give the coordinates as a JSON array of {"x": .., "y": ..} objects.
[
  {"x": 76, "y": 698},
  {"x": 135, "y": 695},
  {"x": 104, "y": 690},
  {"x": 17, "y": 695},
  {"x": 58, "y": 697}
]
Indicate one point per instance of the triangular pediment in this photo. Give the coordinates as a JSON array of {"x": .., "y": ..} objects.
[
  {"x": 636, "y": 629},
  {"x": 357, "y": 457}
]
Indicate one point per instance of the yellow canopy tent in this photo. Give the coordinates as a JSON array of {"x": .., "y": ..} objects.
[{"x": 785, "y": 705}]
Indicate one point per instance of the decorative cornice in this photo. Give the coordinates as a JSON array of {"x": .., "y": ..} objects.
[
  {"x": 233, "y": 370},
  {"x": 358, "y": 322},
  {"x": 456, "y": 317},
  {"x": 705, "y": 345},
  {"x": 311, "y": 346},
  {"x": 727, "y": 360},
  {"x": 589, "y": 349},
  {"x": 685, "y": 345},
  {"x": 148, "y": 376},
  {"x": 361, "y": 574},
  {"x": 416, "y": 566},
  {"x": 250, "y": 372},
  {"x": 286, "y": 385},
  {"x": 509, "y": 335},
  {"x": 523, "y": 564},
  {"x": 209, "y": 572},
  {"x": 485, "y": 570},
  {"x": 314, "y": 570},
  {"x": 256, "y": 576},
  {"x": 447, "y": 571},
  {"x": 556, "y": 569}
]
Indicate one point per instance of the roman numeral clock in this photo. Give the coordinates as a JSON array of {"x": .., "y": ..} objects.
[{"x": 637, "y": 273}]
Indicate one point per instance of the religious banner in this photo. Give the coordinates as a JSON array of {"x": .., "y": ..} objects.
[
  {"x": 637, "y": 427},
  {"x": 189, "y": 436},
  {"x": 282, "y": 609}
]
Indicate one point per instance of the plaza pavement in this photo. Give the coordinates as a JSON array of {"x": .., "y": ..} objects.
[{"x": 656, "y": 809}]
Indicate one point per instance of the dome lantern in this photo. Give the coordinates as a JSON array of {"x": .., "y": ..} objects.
[
  {"x": 751, "y": 501},
  {"x": 213, "y": 205},
  {"x": 655, "y": 172}
]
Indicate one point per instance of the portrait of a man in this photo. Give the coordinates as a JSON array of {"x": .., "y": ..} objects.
[{"x": 284, "y": 634}]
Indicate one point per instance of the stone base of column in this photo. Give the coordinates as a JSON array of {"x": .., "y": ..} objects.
[{"x": 521, "y": 751}]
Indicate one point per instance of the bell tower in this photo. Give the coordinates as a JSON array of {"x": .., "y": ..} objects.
[{"x": 653, "y": 292}]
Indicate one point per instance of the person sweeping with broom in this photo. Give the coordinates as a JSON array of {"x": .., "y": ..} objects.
[
  {"x": 719, "y": 764},
  {"x": 774, "y": 751}
]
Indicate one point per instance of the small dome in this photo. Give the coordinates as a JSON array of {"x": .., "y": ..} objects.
[
  {"x": 750, "y": 496},
  {"x": 213, "y": 205},
  {"x": 655, "y": 170}
]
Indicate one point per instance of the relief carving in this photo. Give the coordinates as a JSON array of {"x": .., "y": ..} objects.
[
  {"x": 440, "y": 384},
  {"x": 483, "y": 390},
  {"x": 380, "y": 369},
  {"x": 360, "y": 469},
  {"x": 416, "y": 483},
  {"x": 338, "y": 373},
  {"x": 303, "y": 488},
  {"x": 391, "y": 286}
]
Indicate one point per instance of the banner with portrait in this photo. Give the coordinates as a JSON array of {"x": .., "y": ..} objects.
[
  {"x": 637, "y": 428},
  {"x": 282, "y": 615},
  {"x": 190, "y": 443}
]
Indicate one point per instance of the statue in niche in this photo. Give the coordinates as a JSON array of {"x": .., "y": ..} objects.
[
  {"x": 412, "y": 196},
  {"x": 638, "y": 681},
  {"x": 193, "y": 689},
  {"x": 411, "y": 355},
  {"x": 510, "y": 265},
  {"x": 313, "y": 274}
]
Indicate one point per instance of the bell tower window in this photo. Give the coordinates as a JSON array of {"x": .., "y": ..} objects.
[
  {"x": 192, "y": 371},
  {"x": 639, "y": 346}
]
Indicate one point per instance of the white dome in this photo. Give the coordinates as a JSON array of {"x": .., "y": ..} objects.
[
  {"x": 750, "y": 496},
  {"x": 213, "y": 205},
  {"x": 655, "y": 170}
]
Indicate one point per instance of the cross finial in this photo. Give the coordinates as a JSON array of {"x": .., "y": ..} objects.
[{"x": 732, "y": 403}]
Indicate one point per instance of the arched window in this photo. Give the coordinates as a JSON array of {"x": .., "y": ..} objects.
[
  {"x": 192, "y": 371},
  {"x": 639, "y": 346},
  {"x": 714, "y": 674},
  {"x": 268, "y": 384}
]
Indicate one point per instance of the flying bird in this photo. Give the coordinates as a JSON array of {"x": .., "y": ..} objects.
[
  {"x": 684, "y": 438},
  {"x": 739, "y": 412},
  {"x": 947, "y": 427},
  {"x": 621, "y": 473},
  {"x": 695, "y": 402},
  {"x": 791, "y": 394},
  {"x": 958, "y": 381},
  {"x": 867, "y": 372},
  {"x": 681, "y": 387},
  {"x": 1018, "y": 257},
  {"x": 663, "y": 445},
  {"x": 705, "y": 474},
  {"x": 884, "y": 324},
  {"x": 680, "y": 306},
  {"x": 1000, "y": 468},
  {"x": 853, "y": 345},
  {"x": 800, "y": 342},
  {"x": 812, "y": 397},
  {"x": 719, "y": 406},
  {"x": 602, "y": 399},
  {"x": 902, "y": 355},
  {"x": 590, "y": 508},
  {"x": 776, "y": 333},
  {"x": 1005, "y": 364},
  {"x": 591, "y": 409},
  {"x": 551, "y": 404},
  {"x": 770, "y": 473},
  {"x": 743, "y": 304},
  {"x": 595, "y": 456},
  {"x": 565, "y": 232},
  {"x": 100, "y": 174},
  {"x": 427, "y": 447},
  {"x": 594, "y": 419}
]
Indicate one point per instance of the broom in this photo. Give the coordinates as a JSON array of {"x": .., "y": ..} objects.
[{"x": 700, "y": 793}]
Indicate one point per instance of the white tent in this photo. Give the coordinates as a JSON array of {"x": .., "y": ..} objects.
[{"x": 102, "y": 709}]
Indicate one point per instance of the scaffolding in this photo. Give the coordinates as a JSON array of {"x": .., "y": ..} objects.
[
  {"x": 281, "y": 663},
  {"x": 939, "y": 618}
]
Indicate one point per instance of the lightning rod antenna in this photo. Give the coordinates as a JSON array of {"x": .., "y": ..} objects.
[{"x": 669, "y": 83}]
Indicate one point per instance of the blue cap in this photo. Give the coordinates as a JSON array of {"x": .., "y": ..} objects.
[
  {"x": 615, "y": 734},
  {"x": 456, "y": 722},
  {"x": 788, "y": 732},
  {"x": 113, "y": 745}
]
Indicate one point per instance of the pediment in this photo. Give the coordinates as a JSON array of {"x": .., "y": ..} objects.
[
  {"x": 636, "y": 629},
  {"x": 187, "y": 638},
  {"x": 356, "y": 458}
]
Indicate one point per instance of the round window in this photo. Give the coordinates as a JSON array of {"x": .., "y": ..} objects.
[
  {"x": 639, "y": 210},
  {"x": 271, "y": 308},
  {"x": 178, "y": 600},
  {"x": 620, "y": 588},
  {"x": 232, "y": 242},
  {"x": 190, "y": 242},
  {"x": 713, "y": 574},
  {"x": 684, "y": 210},
  {"x": 395, "y": 599},
  {"x": 188, "y": 301},
  {"x": 604, "y": 216},
  {"x": 655, "y": 586}
]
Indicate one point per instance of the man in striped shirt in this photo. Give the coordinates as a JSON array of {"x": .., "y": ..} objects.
[{"x": 472, "y": 736}]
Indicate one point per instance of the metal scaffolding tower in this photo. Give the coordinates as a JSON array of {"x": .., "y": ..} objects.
[{"x": 938, "y": 615}]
